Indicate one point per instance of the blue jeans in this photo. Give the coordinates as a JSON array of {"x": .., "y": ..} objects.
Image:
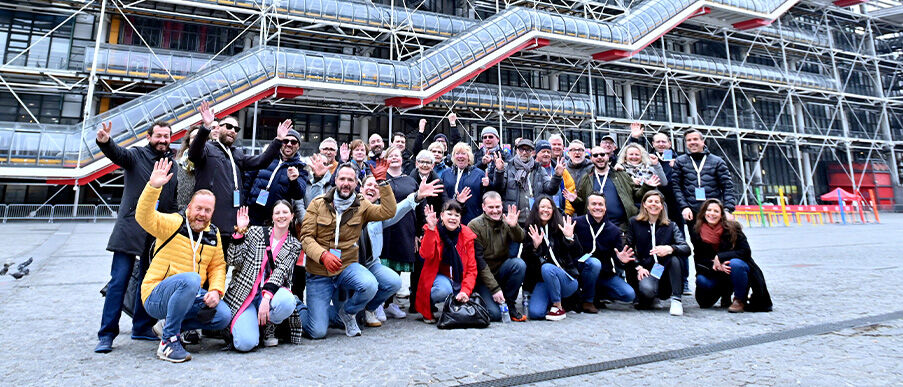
[
  {"x": 556, "y": 283},
  {"x": 589, "y": 276},
  {"x": 246, "y": 329},
  {"x": 355, "y": 282},
  {"x": 613, "y": 287},
  {"x": 120, "y": 274},
  {"x": 180, "y": 300},
  {"x": 388, "y": 283},
  {"x": 510, "y": 278},
  {"x": 442, "y": 288},
  {"x": 710, "y": 288}
]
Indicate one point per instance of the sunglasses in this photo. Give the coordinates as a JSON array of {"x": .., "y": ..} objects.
[
  {"x": 488, "y": 137},
  {"x": 230, "y": 127},
  {"x": 290, "y": 142},
  {"x": 598, "y": 154}
]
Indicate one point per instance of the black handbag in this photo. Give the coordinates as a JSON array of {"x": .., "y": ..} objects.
[
  {"x": 134, "y": 285},
  {"x": 460, "y": 315}
]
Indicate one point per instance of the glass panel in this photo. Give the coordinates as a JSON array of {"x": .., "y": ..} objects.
[
  {"x": 254, "y": 69},
  {"x": 403, "y": 78},
  {"x": 139, "y": 64},
  {"x": 137, "y": 120},
  {"x": 24, "y": 148},
  {"x": 52, "y": 145},
  {"x": 181, "y": 105},
  {"x": 315, "y": 68},
  {"x": 386, "y": 75},
  {"x": 157, "y": 109},
  {"x": 218, "y": 84},
  {"x": 180, "y": 65},
  {"x": 333, "y": 69},
  {"x": 352, "y": 71}
]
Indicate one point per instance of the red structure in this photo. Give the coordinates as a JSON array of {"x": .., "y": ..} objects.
[{"x": 874, "y": 181}]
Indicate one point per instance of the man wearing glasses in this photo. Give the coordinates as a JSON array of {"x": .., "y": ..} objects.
[
  {"x": 285, "y": 178},
  {"x": 219, "y": 166},
  {"x": 621, "y": 195},
  {"x": 485, "y": 155}
]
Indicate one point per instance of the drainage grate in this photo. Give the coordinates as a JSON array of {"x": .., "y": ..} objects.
[{"x": 690, "y": 351}]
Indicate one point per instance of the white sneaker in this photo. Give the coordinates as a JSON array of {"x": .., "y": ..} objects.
[
  {"x": 158, "y": 327},
  {"x": 677, "y": 309},
  {"x": 371, "y": 319},
  {"x": 351, "y": 328},
  {"x": 380, "y": 314},
  {"x": 394, "y": 311},
  {"x": 269, "y": 336}
]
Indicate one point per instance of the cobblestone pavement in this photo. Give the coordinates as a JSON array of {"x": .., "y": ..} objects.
[{"x": 816, "y": 274}]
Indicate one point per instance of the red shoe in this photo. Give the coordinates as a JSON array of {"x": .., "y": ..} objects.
[{"x": 556, "y": 314}]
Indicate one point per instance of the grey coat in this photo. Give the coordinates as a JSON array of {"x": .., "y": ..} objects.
[
  {"x": 128, "y": 237},
  {"x": 513, "y": 193}
]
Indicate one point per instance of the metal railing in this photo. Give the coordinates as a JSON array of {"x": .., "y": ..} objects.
[{"x": 57, "y": 212}]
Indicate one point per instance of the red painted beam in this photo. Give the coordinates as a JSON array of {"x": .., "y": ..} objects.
[
  {"x": 849, "y": 3},
  {"x": 289, "y": 92},
  {"x": 613, "y": 55},
  {"x": 408, "y": 102},
  {"x": 86, "y": 179},
  {"x": 245, "y": 103},
  {"x": 752, "y": 23}
]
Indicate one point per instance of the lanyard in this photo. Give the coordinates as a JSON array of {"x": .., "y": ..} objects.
[
  {"x": 232, "y": 161},
  {"x": 458, "y": 179},
  {"x": 274, "y": 174},
  {"x": 652, "y": 225},
  {"x": 545, "y": 237},
  {"x": 698, "y": 169},
  {"x": 194, "y": 246},
  {"x": 529, "y": 184},
  {"x": 602, "y": 183},
  {"x": 338, "y": 223},
  {"x": 595, "y": 234}
]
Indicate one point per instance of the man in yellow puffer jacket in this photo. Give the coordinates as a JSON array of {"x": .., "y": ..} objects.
[{"x": 187, "y": 253}]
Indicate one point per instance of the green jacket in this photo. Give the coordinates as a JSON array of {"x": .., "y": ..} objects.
[
  {"x": 495, "y": 237},
  {"x": 629, "y": 193}
]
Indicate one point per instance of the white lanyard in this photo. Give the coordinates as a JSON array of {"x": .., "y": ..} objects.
[
  {"x": 231, "y": 160},
  {"x": 458, "y": 179},
  {"x": 273, "y": 175},
  {"x": 602, "y": 183},
  {"x": 545, "y": 236},
  {"x": 698, "y": 169},
  {"x": 529, "y": 184},
  {"x": 194, "y": 246},
  {"x": 595, "y": 234},
  {"x": 652, "y": 225},
  {"x": 338, "y": 223}
]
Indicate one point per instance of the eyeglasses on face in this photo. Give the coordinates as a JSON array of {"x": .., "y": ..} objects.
[
  {"x": 424, "y": 162},
  {"x": 578, "y": 150},
  {"x": 598, "y": 154},
  {"x": 488, "y": 137},
  {"x": 230, "y": 127},
  {"x": 327, "y": 149},
  {"x": 290, "y": 141}
]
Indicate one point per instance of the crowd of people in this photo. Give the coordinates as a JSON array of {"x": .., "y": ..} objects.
[{"x": 321, "y": 241}]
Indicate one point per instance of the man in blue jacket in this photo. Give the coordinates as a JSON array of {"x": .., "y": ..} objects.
[{"x": 285, "y": 178}]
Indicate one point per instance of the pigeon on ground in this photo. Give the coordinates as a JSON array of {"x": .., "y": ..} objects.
[
  {"x": 20, "y": 273},
  {"x": 5, "y": 268},
  {"x": 26, "y": 263}
]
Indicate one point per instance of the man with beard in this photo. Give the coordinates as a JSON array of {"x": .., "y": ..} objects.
[
  {"x": 128, "y": 239},
  {"x": 329, "y": 233},
  {"x": 187, "y": 254},
  {"x": 544, "y": 153},
  {"x": 621, "y": 194},
  {"x": 376, "y": 145},
  {"x": 219, "y": 166},
  {"x": 285, "y": 178},
  {"x": 523, "y": 179}
]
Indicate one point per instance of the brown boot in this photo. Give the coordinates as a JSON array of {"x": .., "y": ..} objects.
[
  {"x": 588, "y": 307},
  {"x": 736, "y": 307}
]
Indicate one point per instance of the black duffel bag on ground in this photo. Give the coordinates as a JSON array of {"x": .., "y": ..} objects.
[{"x": 458, "y": 315}]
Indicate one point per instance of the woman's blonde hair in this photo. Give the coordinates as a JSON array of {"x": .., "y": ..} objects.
[
  {"x": 463, "y": 147},
  {"x": 644, "y": 215},
  {"x": 644, "y": 156}
]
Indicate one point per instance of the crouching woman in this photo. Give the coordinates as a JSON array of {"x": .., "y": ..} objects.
[{"x": 259, "y": 295}]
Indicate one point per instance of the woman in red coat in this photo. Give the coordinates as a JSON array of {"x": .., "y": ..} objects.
[{"x": 449, "y": 259}]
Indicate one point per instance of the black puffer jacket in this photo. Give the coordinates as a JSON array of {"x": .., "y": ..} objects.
[
  {"x": 138, "y": 162},
  {"x": 715, "y": 176},
  {"x": 639, "y": 238}
]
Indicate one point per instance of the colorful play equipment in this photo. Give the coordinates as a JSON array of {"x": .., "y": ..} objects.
[{"x": 851, "y": 208}]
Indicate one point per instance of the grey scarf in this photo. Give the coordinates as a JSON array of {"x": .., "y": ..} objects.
[
  {"x": 522, "y": 171},
  {"x": 341, "y": 204}
]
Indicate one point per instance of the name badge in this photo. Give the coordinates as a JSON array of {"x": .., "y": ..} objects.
[
  {"x": 263, "y": 197},
  {"x": 583, "y": 258},
  {"x": 700, "y": 194},
  {"x": 657, "y": 271},
  {"x": 531, "y": 200},
  {"x": 157, "y": 205},
  {"x": 236, "y": 198},
  {"x": 336, "y": 252},
  {"x": 668, "y": 155}
]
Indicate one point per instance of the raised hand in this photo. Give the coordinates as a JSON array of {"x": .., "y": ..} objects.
[
  {"x": 559, "y": 168},
  {"x": 318, "y": 164},
  {"x": 636, "y": 130},
  {"x": 485, "y": 179},
  {"x": 536, "y": 234},
  {"x": 653, "y": 181},
  {"x": 463, "y": 196},
  {"x": 625, "y": 255},
  {"x": 241, "y": 218},
  {"x": 344, "y": 152},
  {"x": 512, "y": 216},
  {"x": 430, "y": 215},
  {"x": 292, "y": 173},
  {"x": 207, "y": 115},
  {"x": 499, "y": 162},
  {"x": 421, "y": 126},
  {"x": 568, "y": 227},
  {"x": 283, "y": 128},
  {"x": 487, "y": 159},
  {"x": 103, "y": 134},
  {"x": 160, "y": 176},
  {"x": 428, "y": 190},
  {"x": 569, "y": 195},
  {"x": 452, "y": 120},
  {"x": 653, "y": 159},
  {"x": 379, "y": 169}
]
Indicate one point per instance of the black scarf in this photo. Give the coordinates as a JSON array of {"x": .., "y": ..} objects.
[{"x": 450, "y": 255}]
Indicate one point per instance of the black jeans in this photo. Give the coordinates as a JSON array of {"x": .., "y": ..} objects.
[
  {"x": 299, "y": 281},
  {"x": 670, "y": 284}
]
